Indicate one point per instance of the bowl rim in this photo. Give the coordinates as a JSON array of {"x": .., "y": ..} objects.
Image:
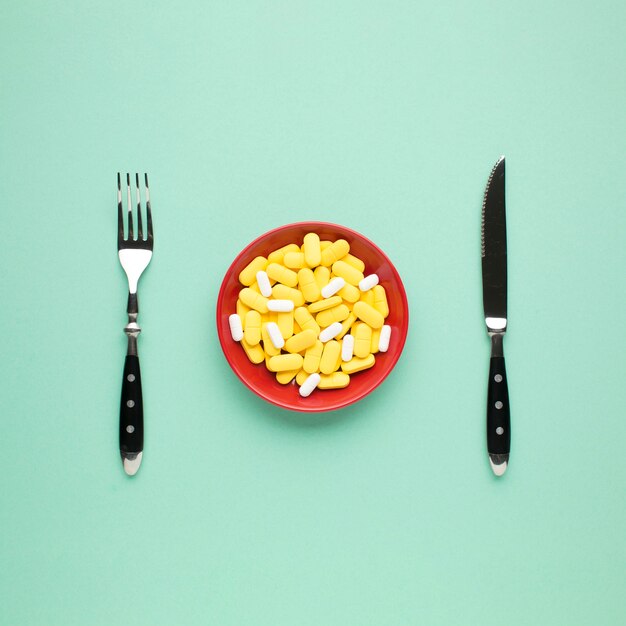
[{"x": 226, "y": 341}]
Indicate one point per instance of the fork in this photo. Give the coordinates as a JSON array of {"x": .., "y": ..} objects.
[{"x": 134, "y": 255}]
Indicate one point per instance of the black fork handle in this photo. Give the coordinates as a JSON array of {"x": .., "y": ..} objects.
[{"x": 131, "y": 408}]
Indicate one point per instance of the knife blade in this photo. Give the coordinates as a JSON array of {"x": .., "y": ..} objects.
[{"x": 494, "y": 257}]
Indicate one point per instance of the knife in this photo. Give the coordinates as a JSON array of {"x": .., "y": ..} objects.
[{"x": 493, "y": 253}]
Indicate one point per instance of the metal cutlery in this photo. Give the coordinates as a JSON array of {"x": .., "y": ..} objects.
[
  {"x": 493, "y": 253},
  {"x": 134, "y": 255}
]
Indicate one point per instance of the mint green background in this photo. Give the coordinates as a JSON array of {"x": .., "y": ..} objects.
[{"x": 385, "y": 117}]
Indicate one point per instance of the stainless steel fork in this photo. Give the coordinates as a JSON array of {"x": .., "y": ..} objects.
[{"x": 134, "y": 254}]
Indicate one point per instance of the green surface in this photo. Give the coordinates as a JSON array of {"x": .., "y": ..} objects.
[{"x": 386, "y": 117}]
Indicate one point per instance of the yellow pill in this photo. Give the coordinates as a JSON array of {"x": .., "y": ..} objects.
[
  {"x": 349, "y": 293},
  {"x": 255, "y": 287},
  {"x": 301, "y": 341},
  {"x": 355, "y": 364},
  {"x": 368, "y": 314},
  {"x": 335, "y": 251},
  {"x": 282, "y": 292},
  {"x": 336, "y": 314},
  {"x": 312, "y": 358},
  {"x": 308, "y": 285},
  {"x": 284, "y": 319},
  {"x": 242, "y": 309},
  {"x": 331, "y": 357},
  {"x": 284, "y": 378},
  {"x": 354, "y": 261},
  {"x": 346, "y": 325},
  {"x": 253, "y": 300},
  {"x": 375, "y": 340},
  {"x": 322, "y": 276},
  {"x": 252, "y": 332},
  {"x": 362, "y": 340},
  {"x": 282, "y": 275},
  {"x": 327, "y": 303},
  {"x": 380, "y": 300},
  {"x": 301, "y": 376},
  {"x": 324, "y": 244},
  {"x": 306, "y": 320},
  {"x": 285, "y": 362},
  {"x": 254, "y": 353},
  {"x": 368, "y": 297},
  {"x": 347, "y": 272},
  {"x": 336, "y": 380},
  {"x": 312, "y": 249},
  {"x": 268, "y": 346},
  {"x": 294, "y": 260},
  {"x": 277, "y": 256},
  {"x": 248, "y": 274}
]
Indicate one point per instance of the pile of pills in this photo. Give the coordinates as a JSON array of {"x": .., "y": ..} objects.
[{"x": 311, "y": 314}]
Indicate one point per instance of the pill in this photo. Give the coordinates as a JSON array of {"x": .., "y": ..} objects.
[
  {"x": 385, "y": 336},
  {"x": 308, "y": 285},
  {"x": 362, "y": 340},
  {"x": 255, "y": 287},
  {"x": 334, "y": 252},
  {"x": 347, "y": 348},
  {"x": 368, "y": 314},
  {"x": 312, "y": 249},
  {"x": 355, "y": 364},
  {"x": 253, "y": 300},
  {"x": 254, "y": 353},
  {"x": 280, "y": 305},
  {"x": 275, "y": 335},
  {"x": 367, "y": 297},
  {"x": 336, "y": 380},
  {"x": 242, "y": 309},
  {"x": 347, "y": 272},
  {"x": 380, "y": 300},
  {"x": 350, "y": 293},
  {"x": 333, "y": 287},
  {"x": 369, "y": 282},
  {"x": 248, "y": 274},
  {"x": 327, "y": 303},
  {"x": 312, "y": 357},
  {"x": 301, "y": 341},
  {"x": 330, "y": 332},
  {"x": 307, "y": 387},
  {"x": 263, "y": 281},
  {"x": 268, "y": 346},
  {"x": 375, "y": 340},
  {"x": 301, "y": 376},
  {"x": 324, "y": 244},
  {"x": 252, "y": 332},
  {"x": 294, "y": 260},
  {"x": 285, "y": 362},
  {"x": 277, "y": 256},
  {"x": 282, "y": 275},
  {"x": 282, "y": 292},
  {"x": 236, "y": 329},
  {"x": 284, "y": 378},
  {"x": 322, "y": 276},
  {"x": 306, "y": 320},
  {"x": 284, "y": 321},
  {"x": 331, "y": 357},
  {"x": 354, "y": 261},
  {"x": 346, "y": 325},
  {"x": 336, "y": 314}
]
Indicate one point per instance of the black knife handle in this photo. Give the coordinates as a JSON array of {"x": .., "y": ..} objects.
[
  {"x": 131, "y": 407},
  {"x": 498, "y": 409}
]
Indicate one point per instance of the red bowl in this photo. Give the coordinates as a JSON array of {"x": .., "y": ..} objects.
[{"x": 257, "y": 377}]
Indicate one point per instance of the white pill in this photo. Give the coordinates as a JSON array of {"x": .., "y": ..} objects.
[
  {"x": 275, "y": 335},
  {"x": 307, "y": 387},
  {"x": 263, "y": 281},
  {"x": 385, "y": 336},
  {"x": 368, "y": 282},
  {"x": 236, "y": 329},
  {"x": 347, "y": 348},
  {"x": 282, "y": 306},
  {"x": 331, "y": 331},
  {"x": 333, "y": 287}
]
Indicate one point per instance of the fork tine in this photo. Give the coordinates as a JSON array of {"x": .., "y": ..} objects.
[
  {"x": 130, "y": 209},
  {"x": 139, "y": 225},
  {"x": 148, "y": 209},
  {"x": 120, "y": 212}
]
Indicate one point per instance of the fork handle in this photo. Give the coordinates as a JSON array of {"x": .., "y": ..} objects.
[{"x": 131, "y": 415}]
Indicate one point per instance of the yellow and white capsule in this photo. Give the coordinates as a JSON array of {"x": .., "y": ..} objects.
[
  {"x": 268, "y": 346},
  {"x": 248, "y": 274}
]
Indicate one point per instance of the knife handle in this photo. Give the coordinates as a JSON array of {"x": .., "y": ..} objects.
[
  {"x": 498, "y": 409},
  {"x": 131, "y": 408}
]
